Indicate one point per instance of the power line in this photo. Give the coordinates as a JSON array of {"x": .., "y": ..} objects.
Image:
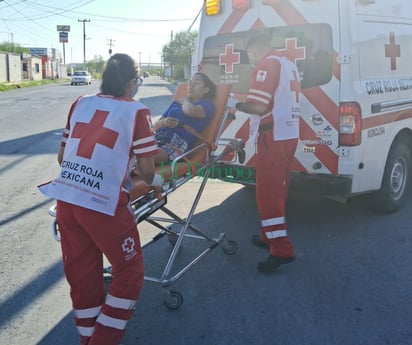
[{"x": 194, "y": 20}]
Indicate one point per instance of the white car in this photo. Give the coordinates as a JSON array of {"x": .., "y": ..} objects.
[{"x": 81, "y": 77}]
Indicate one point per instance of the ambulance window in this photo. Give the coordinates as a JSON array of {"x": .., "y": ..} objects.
[{"x": 309, "y": 46}]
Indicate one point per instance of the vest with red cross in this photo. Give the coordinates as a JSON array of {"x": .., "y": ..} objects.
[
  {"x": 286, "y": 109},
  {"x": 283, "y": 93},
  {"x": 96, "y": 154}
]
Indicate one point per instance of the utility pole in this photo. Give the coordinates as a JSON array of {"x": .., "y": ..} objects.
[
  {"x": 84, "y": 21},
  {"x": 110, "y": 44},
  {"x": 140, "y": 62}
]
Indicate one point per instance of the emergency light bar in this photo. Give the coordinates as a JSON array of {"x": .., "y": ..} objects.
[{"x": 212, "y": 7}]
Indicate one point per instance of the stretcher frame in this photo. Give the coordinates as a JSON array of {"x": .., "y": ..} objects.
[{"x": 146, "y": 200}]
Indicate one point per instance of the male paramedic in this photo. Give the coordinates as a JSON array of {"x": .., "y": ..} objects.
[
  {"x": 103, "y": 132},
  {"x": 273, "y": 101}
]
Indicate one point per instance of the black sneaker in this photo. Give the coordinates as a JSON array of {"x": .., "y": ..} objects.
[
  {"x": 272, "y": 263},
  {"x": 258, "y": 242}
]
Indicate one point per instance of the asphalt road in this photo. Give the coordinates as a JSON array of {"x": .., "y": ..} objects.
[{"x": 351, "y": 283}]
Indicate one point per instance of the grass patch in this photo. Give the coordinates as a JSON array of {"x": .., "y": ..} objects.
[{"x": 30, "y": 83}]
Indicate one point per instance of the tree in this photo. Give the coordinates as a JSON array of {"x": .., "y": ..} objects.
[
  {"x": 178, "y": 52},
  {"x": 96, "y": 66},
  {"x": 13, "y": 48}
]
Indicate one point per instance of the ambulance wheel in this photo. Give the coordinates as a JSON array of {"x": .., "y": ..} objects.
[
  {"x": 230, "y": 248},
  {"x": 174, "y": 300},
  {"x": 395, "y": 182}
]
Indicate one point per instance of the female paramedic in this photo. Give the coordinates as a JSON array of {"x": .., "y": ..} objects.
[
  {"x": 94, "y": 217},
  {"x": 174, "y": 130}
]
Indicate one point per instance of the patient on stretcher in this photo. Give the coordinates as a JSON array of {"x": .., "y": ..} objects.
[
  {"x": 210, "y": 101},
  {"x": 179, "y": 127}
]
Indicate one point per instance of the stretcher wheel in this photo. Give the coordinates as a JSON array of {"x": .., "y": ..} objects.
[
  {"x": 241, "y": 155},
  {"x": 173, "y": 300},
  {"x": 107, "y": 276},
  {"x": 230, "y": 248},
  {"x": 107, "y": 279},
  {"x": 55, "y": 230}
]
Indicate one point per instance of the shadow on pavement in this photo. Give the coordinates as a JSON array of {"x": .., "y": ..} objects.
[
  {"x": 227, "y": 302},
  {"x": 42, "y": 143}
]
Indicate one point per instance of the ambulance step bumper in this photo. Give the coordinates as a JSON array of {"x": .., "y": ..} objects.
[{"x": 325, "y": 185}]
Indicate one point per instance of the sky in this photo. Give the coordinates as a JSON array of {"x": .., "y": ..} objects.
[{"x": 139, "y": 28}]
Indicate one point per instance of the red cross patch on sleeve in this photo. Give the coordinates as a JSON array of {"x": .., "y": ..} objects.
[{"x": 261, "y": 75}]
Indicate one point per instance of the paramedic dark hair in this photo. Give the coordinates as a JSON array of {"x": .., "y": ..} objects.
[
  {"x": 120, "y": 70},
  {"x": 209, "y": 84}
]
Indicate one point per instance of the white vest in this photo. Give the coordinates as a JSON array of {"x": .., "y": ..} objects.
[
  {"x": 286, "y": 109},
  {"x": 94, "y": 167}
]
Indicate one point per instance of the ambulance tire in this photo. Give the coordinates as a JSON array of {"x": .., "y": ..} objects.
[{"x": 396, "y": 180}]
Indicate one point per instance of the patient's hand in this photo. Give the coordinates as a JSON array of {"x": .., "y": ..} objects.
[{"x": 183, "y": 99}]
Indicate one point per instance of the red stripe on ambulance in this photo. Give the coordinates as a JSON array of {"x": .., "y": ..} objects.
[
  {"x": 233, "y": 19},
  {"x": 328, "y": 155},
  {"x": 381, "y": 120},
  {"x": 322, "y": 102}
]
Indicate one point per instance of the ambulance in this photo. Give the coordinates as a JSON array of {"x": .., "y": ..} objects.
[{"x": 355, "y": 68}]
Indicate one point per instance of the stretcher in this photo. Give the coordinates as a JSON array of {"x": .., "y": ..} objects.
[{"x": 209, "y": 151}]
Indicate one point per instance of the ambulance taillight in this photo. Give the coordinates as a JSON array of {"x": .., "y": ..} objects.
[
  {"x": 241, "y": 4},
  {"x": 349, "y": 124},
  {"x": 212, "y": 7}
]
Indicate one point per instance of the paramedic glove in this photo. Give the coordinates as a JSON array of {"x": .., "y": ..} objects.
[
  {"x": 157, "y": 181},
  {"x": 232, "y": 102}
]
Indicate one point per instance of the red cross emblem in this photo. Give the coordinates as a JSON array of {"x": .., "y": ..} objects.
[
  {"x": 392, "y": 50},
  {"x": 128, "y": 245},
  {"x": 93, "y": 133},
  {"x": 229, "y": 58},
  {"x": 295, "y": 86},
  {"x": 292, "y": 51}
]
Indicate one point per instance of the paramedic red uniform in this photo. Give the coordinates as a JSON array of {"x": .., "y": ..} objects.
[
  {"x": 275, "y": 85},
  {"x": 94, "y": 215}
]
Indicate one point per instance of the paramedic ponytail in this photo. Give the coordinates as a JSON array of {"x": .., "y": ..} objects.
[{"x": 120, "y": 70}]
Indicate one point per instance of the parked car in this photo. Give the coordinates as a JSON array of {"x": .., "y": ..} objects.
[{"x": 81, "y": 77}]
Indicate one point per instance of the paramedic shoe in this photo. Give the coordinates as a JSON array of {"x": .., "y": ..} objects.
[
  {"x": 258, "y": 242},
  {"x": 272, "y": 263}
]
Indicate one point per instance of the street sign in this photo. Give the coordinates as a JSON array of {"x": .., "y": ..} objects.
[
  {"x": 63, "y": 27},
  {"x": 63, "y": 37}
]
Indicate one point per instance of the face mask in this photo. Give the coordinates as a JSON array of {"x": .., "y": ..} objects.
[{"x": 134, "y": 92}]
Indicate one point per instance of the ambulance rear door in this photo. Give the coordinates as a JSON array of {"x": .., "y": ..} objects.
[{"x": 307, "y": 32}]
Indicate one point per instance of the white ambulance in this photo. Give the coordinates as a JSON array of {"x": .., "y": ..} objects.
[{"x": 355, "y": 63}]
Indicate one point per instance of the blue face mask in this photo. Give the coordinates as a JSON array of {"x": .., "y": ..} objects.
[{"x": 134, "y": 92}]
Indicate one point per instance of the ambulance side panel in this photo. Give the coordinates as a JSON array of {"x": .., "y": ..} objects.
[{"x": 383, "y": 50}]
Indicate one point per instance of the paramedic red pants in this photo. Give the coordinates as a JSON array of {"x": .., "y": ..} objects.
[
  {"x": 273, "y": 166},
  {"x": 85, "y": 236}
]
